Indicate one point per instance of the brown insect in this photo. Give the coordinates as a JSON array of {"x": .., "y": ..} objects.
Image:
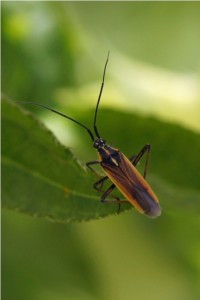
[{"x": 119, "y": 169}]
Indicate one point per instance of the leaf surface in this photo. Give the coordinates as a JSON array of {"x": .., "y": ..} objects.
[{"x": 41, "y": 177}]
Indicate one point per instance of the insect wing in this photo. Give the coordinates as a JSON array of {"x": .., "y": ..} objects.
[{"x": 132, "y": 185}]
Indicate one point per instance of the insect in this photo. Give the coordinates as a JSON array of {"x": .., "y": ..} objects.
[{"x": 118, "y": 168}]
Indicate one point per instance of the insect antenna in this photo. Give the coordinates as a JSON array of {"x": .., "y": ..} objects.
[
  {"x": 59, "y": 113},
  {"x": 98, "y": 101}
]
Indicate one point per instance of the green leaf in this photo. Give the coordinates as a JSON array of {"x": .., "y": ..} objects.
[{"x": 41, "y": 177}]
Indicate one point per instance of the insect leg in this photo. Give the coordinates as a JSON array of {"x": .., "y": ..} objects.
[
  {"x": 135, "y": 159},
  {"x": 107, "y": 193},
  {"x": 132, "y": 158},
  {"x": 90, "y": 163},
  {"x": 99, "y": 184}
]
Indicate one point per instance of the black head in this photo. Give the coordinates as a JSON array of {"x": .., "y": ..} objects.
[{"x": 99, "y": 143}]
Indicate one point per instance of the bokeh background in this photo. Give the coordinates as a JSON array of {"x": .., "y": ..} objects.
[{"x": 54, "y": 53}]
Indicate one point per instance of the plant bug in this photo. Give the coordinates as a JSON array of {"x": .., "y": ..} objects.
[{"x": 118, "y": 168}]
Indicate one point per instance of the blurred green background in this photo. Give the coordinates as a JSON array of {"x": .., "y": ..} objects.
[{"x": 53, "y": 53}]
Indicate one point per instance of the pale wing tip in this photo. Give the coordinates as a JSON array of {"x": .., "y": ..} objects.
[{"x": 154, "y": 212}]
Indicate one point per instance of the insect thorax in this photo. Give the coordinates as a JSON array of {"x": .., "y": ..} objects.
[{"x": 108, "y": 154}]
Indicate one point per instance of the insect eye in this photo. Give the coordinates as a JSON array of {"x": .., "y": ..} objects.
[{"x": 96, "y": 144}]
